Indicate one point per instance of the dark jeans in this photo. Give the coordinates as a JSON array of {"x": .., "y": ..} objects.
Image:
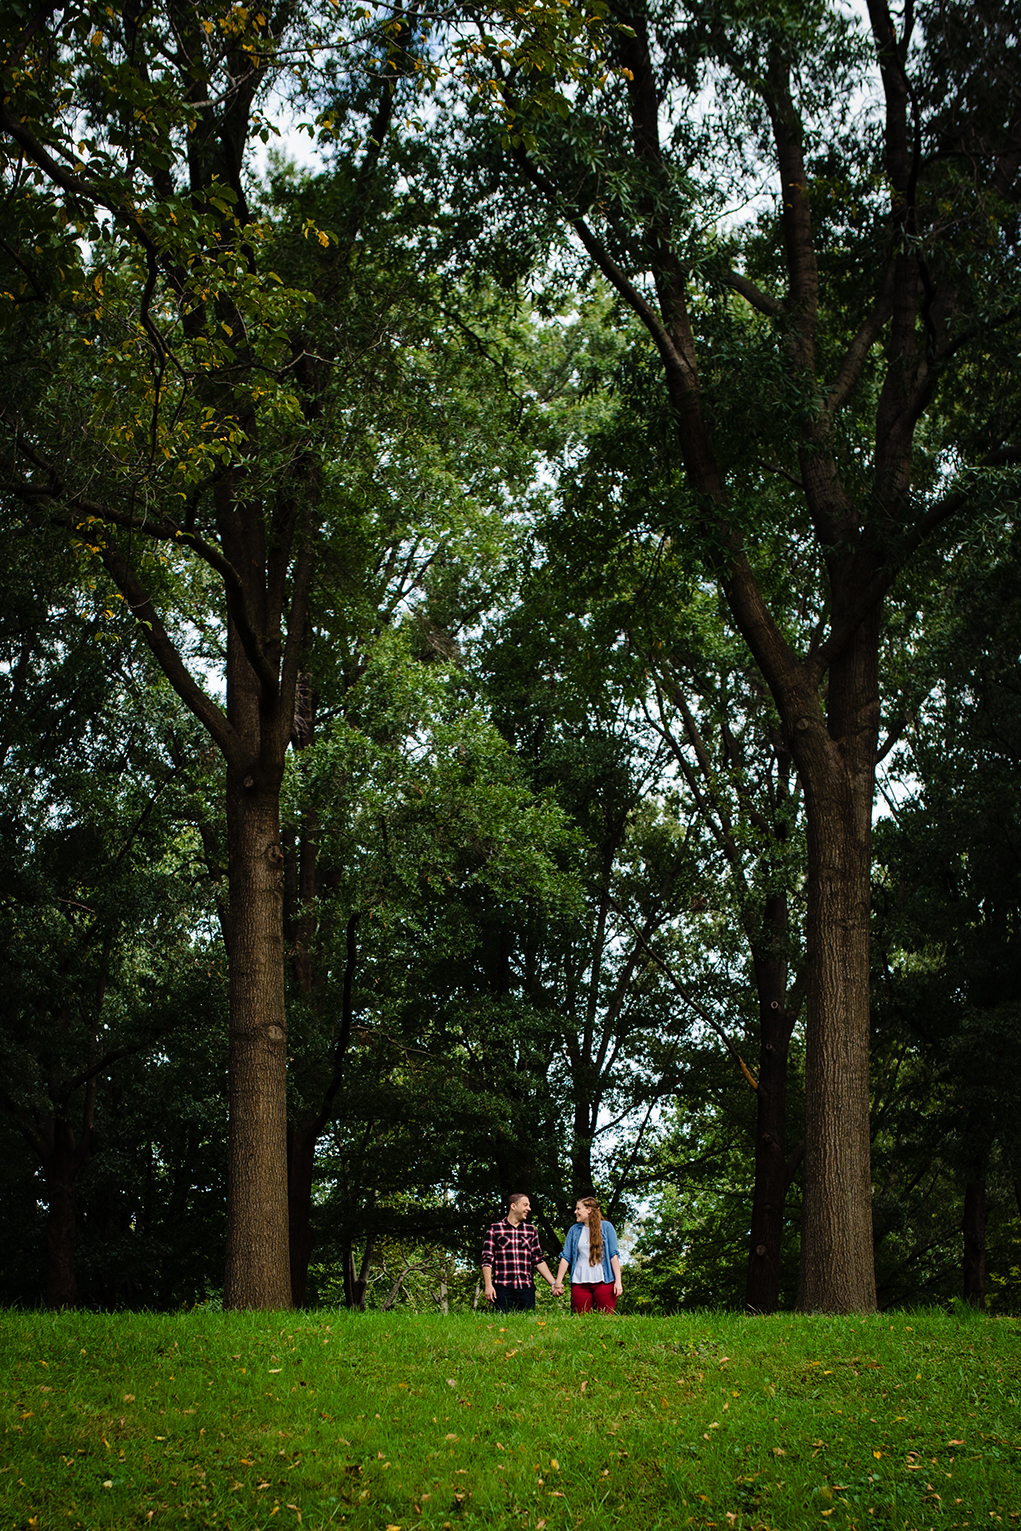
[{"x": 512, "y": 1299}]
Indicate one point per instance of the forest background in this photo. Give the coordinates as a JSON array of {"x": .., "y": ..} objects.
[{"x": 458, "y": 596}]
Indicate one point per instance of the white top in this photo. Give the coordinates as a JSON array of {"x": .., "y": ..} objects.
[{"x": 581, "y": 1271}]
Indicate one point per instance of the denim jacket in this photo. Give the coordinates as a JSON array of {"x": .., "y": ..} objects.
[{"x": 570, "y": 1249}]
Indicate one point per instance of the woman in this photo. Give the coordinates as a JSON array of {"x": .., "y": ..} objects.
[{"x": 590, "y": 1254}]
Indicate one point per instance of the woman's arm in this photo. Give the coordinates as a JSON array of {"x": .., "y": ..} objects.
[
  {"x": 618, "y": 1285},
  {"x": 566, "y": 1256}
]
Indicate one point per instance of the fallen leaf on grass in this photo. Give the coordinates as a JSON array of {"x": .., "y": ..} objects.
[{"x": 955, "y": 1443}]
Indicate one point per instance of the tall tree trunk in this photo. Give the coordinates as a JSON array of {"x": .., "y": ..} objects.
[
  {"x": 61, "y": 1168},
  {"x": 836, "y": 762},
  {"x": 581, "y": 1145},
  {"x": 356, "y": 1284},
  {"x": 762, "y": 1288},
  {"x": 301, "y": 1149},
  {"x": 258, "y": 1267},
  {"x": 974, "y": 1226}
]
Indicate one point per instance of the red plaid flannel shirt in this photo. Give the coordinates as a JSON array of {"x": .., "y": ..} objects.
[{"x": 513, "y": 1253}]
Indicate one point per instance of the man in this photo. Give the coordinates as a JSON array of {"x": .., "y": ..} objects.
[{"x": 510, "y": 1254}]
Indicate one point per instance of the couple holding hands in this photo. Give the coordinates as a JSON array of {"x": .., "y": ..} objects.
[{"x": 511, "y": 1253}]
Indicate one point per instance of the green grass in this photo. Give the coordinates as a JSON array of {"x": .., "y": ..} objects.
[{"x": 545, "y": 1422}]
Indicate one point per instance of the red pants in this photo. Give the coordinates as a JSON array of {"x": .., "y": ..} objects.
[{"x": 585, "y": 1294}]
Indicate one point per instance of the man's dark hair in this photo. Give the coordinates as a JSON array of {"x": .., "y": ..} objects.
[{"x": 516, "y": 1196}]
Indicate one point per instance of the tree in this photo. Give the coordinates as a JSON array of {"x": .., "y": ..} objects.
[
  {"x": 810, "y": 362},
  {"x": 102, "y": 956},
  {"x": 695, "y": 688},
  {"x": 947, "y": 895},
  {"x": 420, "y": 814},
  {"x": 175, "y": 406}
]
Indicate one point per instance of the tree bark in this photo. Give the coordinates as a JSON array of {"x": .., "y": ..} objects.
[
  {"x": 581, "y": 1143},
  {"x": 61, "y": 1166},
  {"x": 836, "y": 763},
  {"x": 973, "y": 1224},
  {"x": 301, "y": 1148},
  {"x": 762, "y": 1287},
  {"x": 257, "y": 1273},
  {"x": 355, "y": 1285}
]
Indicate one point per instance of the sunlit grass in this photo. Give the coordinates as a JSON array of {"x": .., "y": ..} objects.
[{"x": 540, "y": 1421}]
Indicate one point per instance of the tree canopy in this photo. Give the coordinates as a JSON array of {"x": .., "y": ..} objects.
[{"x": 458, "y": 595}]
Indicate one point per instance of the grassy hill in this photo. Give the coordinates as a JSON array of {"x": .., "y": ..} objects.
[{"x": 544, "y": 1422}]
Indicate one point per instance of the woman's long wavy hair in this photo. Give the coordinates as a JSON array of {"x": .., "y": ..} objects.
[{"x": 595, "y": 1229}]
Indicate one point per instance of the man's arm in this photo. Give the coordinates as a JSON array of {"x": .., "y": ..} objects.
[
  {"x": 488, "y": 1251},
  {"x": 544, "y": 1270}
]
